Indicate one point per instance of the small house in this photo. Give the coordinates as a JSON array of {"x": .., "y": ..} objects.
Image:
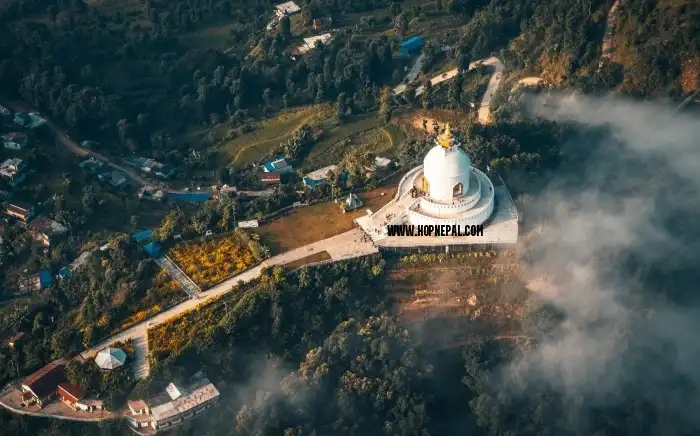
[
  {"x": 270, "y": 178},
  {"x": 23, "y": 119},
  {"x": 21, "y": 211},
  {"x": 278, "y": 165},
  {"x": 92, "y": 165},
  {"x": 89, "y": 405},
  {"x": 310, "y": 43},
  {"x": 286, "y": 9},
  {"x": 46, "y": 231},
  {"x": 29, "y": 283},
  {"x": 114, "y": 178},
  {"x": 14, "y": 140},
  {"x": 411, "y": 46},
  {"x": 30, "y": 120},
  {"x": 45, "y": 278},
  {"x": 89, "y": 144},
  {"x": 138, "y": 407},
  {"x": 318, "y": 177},
  {"x": 164, "y": 172},
  {"x": 70, "y": 394},
  {"x": 153, "y": 249},
  {"x": 142, "y": 236},
  {"x": 13, "y": 171},
  {"x": 43, "y": 384}
]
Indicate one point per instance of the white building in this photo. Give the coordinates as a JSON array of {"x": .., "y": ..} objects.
[
  {"x": 184, "y": 406},
  {"x": 310, "y": 43},
  {"x": 446, "y": 191},
  {"x": 287, "y": 8}
]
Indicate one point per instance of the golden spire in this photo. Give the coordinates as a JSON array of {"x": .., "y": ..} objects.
[{"x": 446, "y": 140}]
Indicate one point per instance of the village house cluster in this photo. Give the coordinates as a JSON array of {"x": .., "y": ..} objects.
[{"x": 49, "y": 383}]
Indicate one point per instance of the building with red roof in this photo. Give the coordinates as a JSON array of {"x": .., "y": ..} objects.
[
  {"x": 70, "y": 393},
  {"x": 42, "y": 384}
]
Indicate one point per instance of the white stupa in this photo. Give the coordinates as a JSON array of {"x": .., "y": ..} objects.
[
  {"x": 454, "y": 192},
  {"x": 446, "y": 191}
]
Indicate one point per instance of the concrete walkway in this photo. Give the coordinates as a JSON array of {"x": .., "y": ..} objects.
[
  {"x": 177, "y": 274},
  {"x": 347, "y": 245}
]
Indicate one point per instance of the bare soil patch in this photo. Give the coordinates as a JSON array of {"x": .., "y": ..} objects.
[{"x": 454, "y": 299}]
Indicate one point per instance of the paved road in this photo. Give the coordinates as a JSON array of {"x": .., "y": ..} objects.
[{"x": 344, "y": 246}]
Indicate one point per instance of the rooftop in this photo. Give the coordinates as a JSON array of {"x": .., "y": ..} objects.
[
  {"x": 44, "y": 381},
  {"x": 137, "y": 404},
  {"x": 47, "y": 226},
  {"x": 45, "y": 277},
  {"x": 288, "y": 8},
  {"x": 14, "y": 136},
  {"x": 412, "y": 41},
  {"x": 73, "y": 390},
  {"x": 11, "y": 167},
  {"x": 185, "y": 403},
  {"x": 321, "y": 173},
  {"x": 310, "y": 43}
]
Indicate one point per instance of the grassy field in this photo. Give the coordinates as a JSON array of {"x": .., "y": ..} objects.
[
  {"x": 213, "y": 37},
  {"x": 210, "y": 261},
  {"x": 331, "y": 143},
  {"x": 268, "y": 134},
  {"x": 320, "y": 221},
  {"x": 381, "y": 141}
]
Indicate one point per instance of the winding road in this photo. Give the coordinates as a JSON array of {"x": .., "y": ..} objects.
[
  {"x": 63, "y": 139},
  {"x": 494, "y": 83}
]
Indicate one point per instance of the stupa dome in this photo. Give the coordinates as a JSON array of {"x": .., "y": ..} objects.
[{"x": 446, "y": 168}]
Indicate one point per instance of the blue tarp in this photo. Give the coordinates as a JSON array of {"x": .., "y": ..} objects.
[
  {"x": 197, "y": 197},
  {"x": 45, "y": 278},
  {"x": 153, "y": 249},
  {"x": 142, "y": 236},
  {"x": 65, "y": 272},
  {"x": 411, "y": 45}
]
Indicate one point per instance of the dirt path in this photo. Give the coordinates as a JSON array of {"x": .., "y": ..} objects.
[
  {"x": 64, "y": 139},
  {"x": 607, "y": 48}
]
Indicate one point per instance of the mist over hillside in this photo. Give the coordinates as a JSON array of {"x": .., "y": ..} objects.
[{"x": 620, "y": 246}]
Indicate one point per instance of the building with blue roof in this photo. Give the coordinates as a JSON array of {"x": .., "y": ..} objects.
[
  {"x": 142, "y": 236},
  {"x": 195, "y": 197},
  {"x": 411, "y": 45},
  {"x": 153, "y": 249},
  {"x": 279, "y": 165},
  {"x": 45, "y": 278}
]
